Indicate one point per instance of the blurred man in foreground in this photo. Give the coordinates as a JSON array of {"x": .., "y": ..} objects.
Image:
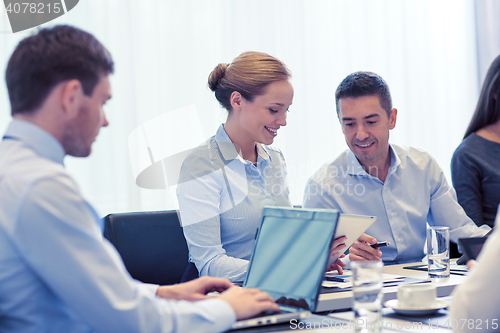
[{"x": 57, "y": 273}]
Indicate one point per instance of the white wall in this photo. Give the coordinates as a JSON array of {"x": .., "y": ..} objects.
[{"x": 165, "y": 49}]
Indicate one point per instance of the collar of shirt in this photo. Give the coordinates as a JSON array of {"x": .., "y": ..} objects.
[
  {"x": 229, "y": 152},
  {"x": 43, "y": 143},
  {"x": 355, "y": 168}
]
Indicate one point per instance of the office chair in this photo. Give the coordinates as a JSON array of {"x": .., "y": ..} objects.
[{"x": 151, "y": 244}]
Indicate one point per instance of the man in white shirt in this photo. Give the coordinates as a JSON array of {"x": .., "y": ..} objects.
[
  {"x": 57, "y": 273},
  {"x": 402, "y": 186}
]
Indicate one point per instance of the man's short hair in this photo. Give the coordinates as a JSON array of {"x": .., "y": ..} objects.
[
  {"x": 361, "y": 84},
  {"x": 53, "y": 55}
]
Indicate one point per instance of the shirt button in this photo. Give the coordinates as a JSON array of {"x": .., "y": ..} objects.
[{"x": 392, "y": 213}]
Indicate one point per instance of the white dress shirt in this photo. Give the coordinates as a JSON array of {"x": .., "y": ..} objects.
[{"x": 57, "y": 273}]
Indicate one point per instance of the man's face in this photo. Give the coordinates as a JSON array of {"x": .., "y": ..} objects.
[
  {"x": 366, "y": 126},
  {"x": 83, "y": 130}
]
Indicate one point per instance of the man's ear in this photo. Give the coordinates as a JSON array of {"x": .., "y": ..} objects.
[
  {"x": 340, "y": 121},
  {"x": 71, "y": 97},
  {"x": 392, "y": 118},
  {"x": 236, "y": 101}
]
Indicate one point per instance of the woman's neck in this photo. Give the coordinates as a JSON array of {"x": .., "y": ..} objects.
[
  {"x": 246, "y": 148},
  {"x": 490, "y": 132}
]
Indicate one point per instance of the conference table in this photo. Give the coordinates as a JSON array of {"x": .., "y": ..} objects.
[
  {"x": 335, "y": 315},
  {"x": 329, "y": 301}
]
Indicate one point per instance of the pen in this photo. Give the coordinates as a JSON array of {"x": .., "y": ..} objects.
[
  {"x": 335, "y": 279},
  {"x": 381, "y": 244}
]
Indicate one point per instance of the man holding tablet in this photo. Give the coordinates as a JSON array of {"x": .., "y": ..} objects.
[{"x": 402, "y": 186}]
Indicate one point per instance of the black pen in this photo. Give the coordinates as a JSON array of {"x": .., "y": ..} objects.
[{"x": 381, "y": 244}]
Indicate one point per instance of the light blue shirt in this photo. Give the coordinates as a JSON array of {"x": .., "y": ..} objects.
[
  {"x": 414, "y": 193},
  {"x": 221, "y": 198},
  {"x": 57, "y": 273}
]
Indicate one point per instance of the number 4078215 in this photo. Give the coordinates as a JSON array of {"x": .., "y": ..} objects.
[{"x": 33, "y": 8}]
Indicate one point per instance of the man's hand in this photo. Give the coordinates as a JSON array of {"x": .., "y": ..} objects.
[
  {"x": 338, "y": 265},
  {"x": 338, "y": 244},
  {"x": 194, "y": 290},
  {"x": 248, "y": 302},
  {"x": 361, "y": 249},
  {"x": 471, "y": 264}
]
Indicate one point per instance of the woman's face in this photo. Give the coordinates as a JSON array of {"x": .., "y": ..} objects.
[{"x": 261, "y": 119}]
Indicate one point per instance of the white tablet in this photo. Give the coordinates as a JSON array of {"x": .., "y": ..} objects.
[{"x": 352, "y": 226}]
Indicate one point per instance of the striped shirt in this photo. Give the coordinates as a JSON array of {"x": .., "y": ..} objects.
[{"x": 221, "y": 198}]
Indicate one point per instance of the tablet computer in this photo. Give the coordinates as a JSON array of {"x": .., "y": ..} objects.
[
  {"x": 471, "y": 246},
  {"x": 352, "y": 226}
]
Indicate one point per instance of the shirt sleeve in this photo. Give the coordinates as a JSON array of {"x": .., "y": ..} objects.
[
  {"x": 199, "y": 196},
  {"x": 466, "y": 178},
  {"x": 475, "y": 305},
  {"x": 60, "y": 240},
  {"x": 445, "y": 210}
]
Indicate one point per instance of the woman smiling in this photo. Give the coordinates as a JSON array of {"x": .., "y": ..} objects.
[{"x": 225, "y": 184}]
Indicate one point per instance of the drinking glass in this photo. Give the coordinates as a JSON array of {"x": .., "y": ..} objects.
[
  {"x": 438, "y": 253},
  {"x": 367, "y": 301}
]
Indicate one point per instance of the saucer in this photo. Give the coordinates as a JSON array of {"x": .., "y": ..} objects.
[{"x": 428, "y": 310}]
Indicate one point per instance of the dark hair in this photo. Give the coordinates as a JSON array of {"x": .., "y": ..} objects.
[
  {"x": 487, "y": 109},
  {"x": 361, "y": 84},
  {"x": 248, "y": 74},
  {"x": 52, "y": 56}
]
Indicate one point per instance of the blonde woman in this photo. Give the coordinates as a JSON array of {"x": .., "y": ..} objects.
[{"x": 225, "y": 184}]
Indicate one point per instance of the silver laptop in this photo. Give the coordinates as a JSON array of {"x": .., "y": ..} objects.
[{"x": 289, "y": 259}]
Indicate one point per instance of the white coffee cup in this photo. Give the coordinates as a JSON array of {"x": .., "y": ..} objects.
[{"x": 417, "y": 296}]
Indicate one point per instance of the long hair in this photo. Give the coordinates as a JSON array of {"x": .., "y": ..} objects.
[{"x": 488, "y": 109}]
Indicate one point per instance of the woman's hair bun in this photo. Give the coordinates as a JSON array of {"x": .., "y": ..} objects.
[{"x": 216, "y": 76}]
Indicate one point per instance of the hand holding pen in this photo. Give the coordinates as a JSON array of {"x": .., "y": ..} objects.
[
  {"x": 381, "y": 244},
  {"x": 363, "y": 249}
]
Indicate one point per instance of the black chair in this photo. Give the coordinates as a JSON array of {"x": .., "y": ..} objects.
[{"x": 151, "y": 244}]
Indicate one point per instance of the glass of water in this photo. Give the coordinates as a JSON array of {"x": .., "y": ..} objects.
[
  {"x": 367, "y": 301},
  {"x": 438, "y": 253}
]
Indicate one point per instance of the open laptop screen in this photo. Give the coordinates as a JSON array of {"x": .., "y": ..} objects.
[{"x": 291, "y": 252}]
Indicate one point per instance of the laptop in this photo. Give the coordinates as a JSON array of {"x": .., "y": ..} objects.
[
  {"x": 289, "y": 259},
  {"x": 471, "y": 247}
]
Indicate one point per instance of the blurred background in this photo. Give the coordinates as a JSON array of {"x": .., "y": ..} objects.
[{"x": 432, "y": 53}]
